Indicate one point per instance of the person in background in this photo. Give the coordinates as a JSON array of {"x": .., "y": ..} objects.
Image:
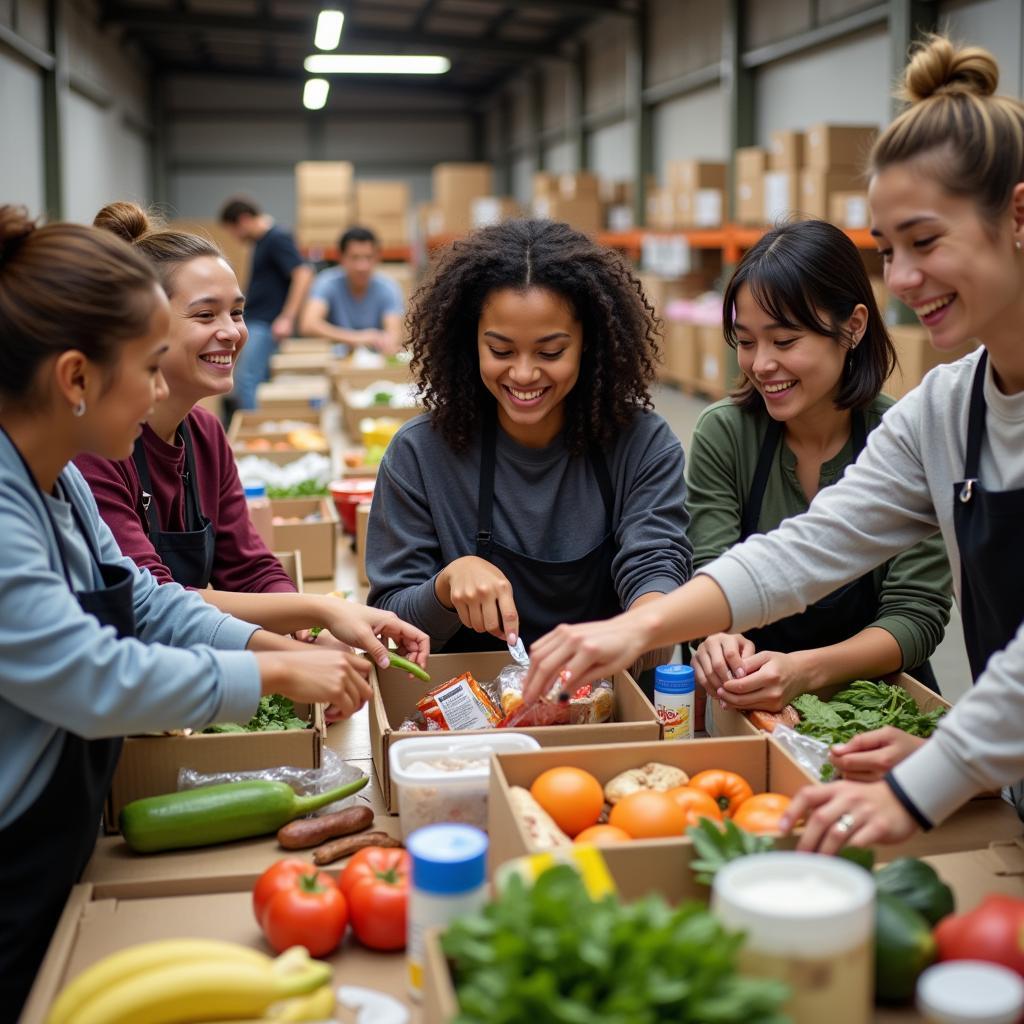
[
  {"x": 814, "y": 353},
  {"x": 91, "y": 648},
  {"x": 947, "y": 212},
  {"x": 352, "y": 304},
  {"x": 177, "y": 507},
  {"x": 278, "y": 282}
]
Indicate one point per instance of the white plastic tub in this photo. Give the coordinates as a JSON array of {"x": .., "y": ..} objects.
[{"x": 445, "y": 778}]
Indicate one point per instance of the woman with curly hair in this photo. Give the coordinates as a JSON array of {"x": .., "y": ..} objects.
[{"x": 539, "y": 485}]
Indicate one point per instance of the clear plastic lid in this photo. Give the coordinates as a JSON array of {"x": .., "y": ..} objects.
[
  {"x": 436, "y": 759},
  {"x": 970, "y": 992}
]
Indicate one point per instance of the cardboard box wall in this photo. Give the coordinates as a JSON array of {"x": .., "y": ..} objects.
[
  {"x": 488, "y": 210},
  {"x": 781, "y": 195},
  {"x": 712, "y": 361},
  {"x": 584, "y": 213},
  {"x": 376, "y": 198},
  {"x": 455, "y": 186},
  {"x": 323, "y": 181},
  {"x": 317, "y": 541},
  {"x": 916, "y": 357},
  {"x": 691, "y": 175},
  {"x": 292, "y": 395},
  {"x": 395, "y": 696},
  {"x": 849, "y": 209},
  {"x": 352, "y": 415},
  {"x": 249, "y": 422},
  {"x": 817, "y": 187},
  {"x": 786, "y": 151},
  {"x": 699, "y": 208},
  {"x": 362, "y": 524},
  {"x": 238, "y": 254},
  {"x": 681, "y": 356},
  {"x": 830, "y": 146}
]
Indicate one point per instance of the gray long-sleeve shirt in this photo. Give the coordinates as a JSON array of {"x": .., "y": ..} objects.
[
  {"x": 61, "y": 671},
  {"x": 900, "y": 491},
  {"x": 547, "y": 505}
]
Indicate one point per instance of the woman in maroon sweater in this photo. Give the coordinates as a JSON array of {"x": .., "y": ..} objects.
[{"x": 177, "y": 507}]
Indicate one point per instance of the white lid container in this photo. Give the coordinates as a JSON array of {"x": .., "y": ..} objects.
[
  {"x": 446, "y": 778},
  {"x": 970, "y": 992}
]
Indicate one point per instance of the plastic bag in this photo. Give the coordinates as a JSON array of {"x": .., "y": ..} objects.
[
  {"x": 806, "y": 751},
  {"x": 333, "y": 772},
  {"x": 586, "y": 705},
  {"x": 460, "y": 703}
]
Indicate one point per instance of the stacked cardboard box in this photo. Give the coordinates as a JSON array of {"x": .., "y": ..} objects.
[
  {"x": 572, "y": 198},
  {"x": 238, "y": 254},
  {"x": 384, "y": 208},
  {"x": 782, "y": 179},
  {"x": 835, "y": 161},
  {"x": 325, "y": 204},
  {"x": 488, "y": 210},
  {"x": 751, "y": 167},
  {"x": 697, "y": 188},
  {"x": 849, "y": 209},
  {"x": 455, "y": 187}
]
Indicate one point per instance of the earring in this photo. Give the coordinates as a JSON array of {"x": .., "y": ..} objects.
[
  {"x": 79, "y": 410},
  {"x": 1016, "y": 245}
]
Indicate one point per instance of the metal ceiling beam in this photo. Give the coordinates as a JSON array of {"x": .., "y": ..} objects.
[{"x": 592, "y": 8}]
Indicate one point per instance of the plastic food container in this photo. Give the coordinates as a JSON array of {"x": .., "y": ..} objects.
[
  {"x": 347, "y": 494},
  {"x": 445, "y": 778},
  {"x": 970, "y": 992}
]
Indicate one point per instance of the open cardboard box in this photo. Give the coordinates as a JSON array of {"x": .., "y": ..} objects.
[
  {"x": 290, "y": 396},
  {"x": 249, "y": 423},
  {"x": 346, "y": 373},
  {"x": 291, "y": 562},
  {"x": 93, "y": 927},
  {"x": 149, "y": 764},
  {"x": 316, "y": 541},
  {"x": 351, "y": 415},
  {"x": 316, "y": 361},
  {"x": 284, "y": 453},
  {"x": 395, "y": 696},
  {"x": 292, "y": 345}
]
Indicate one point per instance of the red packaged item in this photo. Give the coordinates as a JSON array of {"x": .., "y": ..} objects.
[{"x": 461, "y": 703}]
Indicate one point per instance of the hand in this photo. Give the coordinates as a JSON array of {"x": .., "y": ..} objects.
[
  {"x": 583, "y": 653},
  {"x": 283, "y": 327},
  {"x": 482, "y": 596},
  {"x": 767, "y": 680},
  {"x": 315, "y": 676},
  {"x": 868, "y": 756},
  {"x": 387, "y": 344},
  {"x": 719, "y": 659},
  {"x": 365, "y": 628},
  {"x": 870, "y": 810}
]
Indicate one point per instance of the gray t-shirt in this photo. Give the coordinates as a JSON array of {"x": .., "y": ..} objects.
[
  {"x": 547, "y": 505},
  {"x": 356, "y": 314}
]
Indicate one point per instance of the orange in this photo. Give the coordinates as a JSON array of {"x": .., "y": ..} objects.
[
  {"x": 648, "y": 815},
  {"x": 571, "y": 796},
  {"x": 602, "y": 835},
  {"x": 696, "y": 804},
  {"x": 760, "y": 813}
]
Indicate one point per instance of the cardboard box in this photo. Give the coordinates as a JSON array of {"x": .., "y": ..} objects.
[
  {"x": 830, "y": 146},
  {"x": 323, "y": 181},
  {"x": 317, "y": 541},
  {"x": 699, "y": 208},
  {"x": 381, "y": 199},
  {"x": 455, "y": 186},
  {"x": 288, "y": 396},
  {"x": 93, "y": 927},
  {"x": 318, "y": 237},
  {"x": 238, "y": 254},
  {"x": 849, "y": 209},
  {"x": 751, "y": 162},
  {"x": 916, "y": 356},
  {"x": 352, "y": 416},
  {"x": 345, "y": 376},
  {"x": 661, "y": 212},
  {"x": 362, "y": 524},
  {"x": 781, "y": 195},
  {"x": 336, "y": 215},
  {"x": 297, "y": 346},
  {"x": 680, "y": 343},
  {"x": 282, "y": 454},
  {"x": 817, "y": 186},
  {"x": 751, "y": 167},
  {"x": 291, "y": 562},
  {"x": 402, "y": 274},
  {"x": 149, "y": 765},
  {"x": 395, "y": 696},
  {"x": 691, "y": 175},
  {"x": 786, "y": 151},
  {"x": 246, "y": 423},
  {"x": 488, "y": 210},
  {"x": 712, "y": 371},
  {"x": 582, "y": 213},
  {"x": 580, "y": 185},
  {"x": 392, "y": 231}
]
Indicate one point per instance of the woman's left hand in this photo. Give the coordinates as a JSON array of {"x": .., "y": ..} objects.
[
  {"x": 368, "y": 629},
  {"x": 838, "y": 813},
  {"x": 769, "y": 682}
]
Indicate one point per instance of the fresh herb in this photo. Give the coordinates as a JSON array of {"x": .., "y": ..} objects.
[
  {"x": 862, "y": 707},
  {"x": 274, "y": 714},
  {"x": 305, "y": 489},
  {"x": 550, "y": 955},
  {"x": 715, "y": 846}
]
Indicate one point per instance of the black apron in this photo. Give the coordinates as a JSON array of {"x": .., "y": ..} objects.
[
  {"x": 545, "y": 593},
  {"x": 837, "y": 616},
  {"x": 188, "y": 553},
  {"x": 988, "y": 535},
  {"x": 44, "y": 851}
]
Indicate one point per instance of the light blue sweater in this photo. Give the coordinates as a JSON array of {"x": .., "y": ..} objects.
[{"x": 60, "y": 670}]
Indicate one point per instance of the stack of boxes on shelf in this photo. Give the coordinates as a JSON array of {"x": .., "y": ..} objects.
[
  {"x": 617, "y": 204},
  {"x": 325, "y": 202},
  {"x": 751, "y": 166},
  {"x": 782, "y": 179},
  {"x": 572, "y": 198},
  {"x": 489, "y": 210},
  {"x": 455, "y": 188},
  {"x": 836, "y": 156},
  {"x": 692, "y": 198},
  {"x": 383, "y": 207}
]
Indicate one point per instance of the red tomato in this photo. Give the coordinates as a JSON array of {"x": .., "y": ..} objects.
[
  {"x": 376, "y": 884},
  {"x": 312, "y": 913},
  {"x": 993, "y": 931},
  {"x": 280, "y": 875},
  {"x": 696, "y": 804},
  {"x": 727, "y": 789}
]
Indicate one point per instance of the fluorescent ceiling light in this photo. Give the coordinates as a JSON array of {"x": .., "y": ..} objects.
[
  {"x": 328, "y": 29},
  {"x": 375, "y": 64},
  {"x": 314, "y": 96}
]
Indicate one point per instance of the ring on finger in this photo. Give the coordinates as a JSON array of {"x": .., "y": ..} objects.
[{"x": 845, "y": 823}]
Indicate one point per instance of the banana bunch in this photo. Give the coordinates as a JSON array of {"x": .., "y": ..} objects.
[{"x": 176, "y": 981}]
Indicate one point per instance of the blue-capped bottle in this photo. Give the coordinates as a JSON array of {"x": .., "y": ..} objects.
[{"x": 673, "y": 700}]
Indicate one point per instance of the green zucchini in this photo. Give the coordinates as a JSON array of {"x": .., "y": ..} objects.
[
  {"x": 397, "y": 661},
  {"x": 219, "y": 814}
]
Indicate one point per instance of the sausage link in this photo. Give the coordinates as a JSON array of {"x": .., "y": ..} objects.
[
  {"x": 338, "y": 848},
  {"x": 306, "y": 832}
]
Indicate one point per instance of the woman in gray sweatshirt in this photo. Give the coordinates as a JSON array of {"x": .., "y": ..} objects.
[{"x": 947, "y": 204}]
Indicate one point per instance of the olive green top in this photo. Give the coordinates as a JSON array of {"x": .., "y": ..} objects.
[{"x": 913, "y": 588}]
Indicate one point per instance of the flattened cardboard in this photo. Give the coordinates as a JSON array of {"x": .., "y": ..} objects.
[
  {"x": 395, "y": 696},
  {"x": 316, "y": 541},
  {"x": 149, "y": 765}
]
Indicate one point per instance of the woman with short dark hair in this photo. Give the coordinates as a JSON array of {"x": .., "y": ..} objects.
[{"x": 814, "y": 353}]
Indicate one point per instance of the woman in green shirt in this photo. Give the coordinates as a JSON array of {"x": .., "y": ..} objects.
[{"x": 814, "y": 354}]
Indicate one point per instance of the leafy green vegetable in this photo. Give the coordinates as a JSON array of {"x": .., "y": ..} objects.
[
  {"x": 382, "y": 397},
  {"x": 550, "y": 955},
  {"x": 861, "y": 707},
  {"x": 715, "y": 846},
  {"x": 305, "y": 489},
  {"x": 273, "y": 714}
]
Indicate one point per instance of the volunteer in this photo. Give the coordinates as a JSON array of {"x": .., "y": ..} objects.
[
  {"x": 353, "y": 305},
  {"x": 177, "y": 506},
  {"x": 539, "y": 486},
  {"x": 814, "y": 353},
  {"x": 83, "y": 661},
  {"x": 947, "y": 206}
]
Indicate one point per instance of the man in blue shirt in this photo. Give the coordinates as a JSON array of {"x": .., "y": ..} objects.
[
  {"x": 278, "y": 283},
  {"x": 352, "y": 305}
]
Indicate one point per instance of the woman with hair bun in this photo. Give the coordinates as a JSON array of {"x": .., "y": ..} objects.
[
  {"x": 947, "y": 210},
  {"x": 177, "y": 506},
  {"x": 539, "y": 485},
  {"x": 91, "y": 648}
]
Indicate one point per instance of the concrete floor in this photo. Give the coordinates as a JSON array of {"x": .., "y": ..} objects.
[{"x": 950, "y": 659}]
